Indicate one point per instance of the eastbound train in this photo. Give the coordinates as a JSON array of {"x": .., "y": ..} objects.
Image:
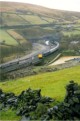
[{"x": 17, "y": 64}]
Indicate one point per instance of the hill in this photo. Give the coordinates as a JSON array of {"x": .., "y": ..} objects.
[
  {"x": 52, "y": 84},
  {"x": 22, "y": 24},
  {"x": 14, "y": 6},
  {"x": 19, "y": 11}
]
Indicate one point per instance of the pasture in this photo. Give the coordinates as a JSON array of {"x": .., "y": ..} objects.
[
  {"x": 7, "y": 39},
  {"x": 34, "y": 19},
  {"x": 17, "y": 36},
  {"x": 52, "y": 84},
  {"x": 12, "y": 19},
  {"x": 73, "y": 32},
  {"x": 50, "y": 20}
]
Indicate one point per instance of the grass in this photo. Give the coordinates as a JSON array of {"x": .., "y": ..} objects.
[
  {"x": 33, "y": 19},
  {"x": 17, "y": 36},
  {"x": 8, "y": 115},
  {"x": 49, "y": 28},
  {"x": 73, "y": 32},
  {"x": 50, "y": 20},
  {"x": 7, "y": 38},
  {"x": 52, "y": 84},
  {"x": 35, "y": 32},
  {"x": 12, "y": 19}
]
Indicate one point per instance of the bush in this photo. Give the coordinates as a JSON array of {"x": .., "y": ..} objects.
[{"x": 41, "y": 110}]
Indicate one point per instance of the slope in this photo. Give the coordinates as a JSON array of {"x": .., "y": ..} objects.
[{"x": 52, "y": 84}]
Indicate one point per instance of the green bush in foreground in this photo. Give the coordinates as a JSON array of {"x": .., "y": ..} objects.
[
  {"x": 69, "y": 109},
  {"x": 31, "y": 105}
]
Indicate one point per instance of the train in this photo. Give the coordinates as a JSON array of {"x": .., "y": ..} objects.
[{"x": 18, "y": 63}]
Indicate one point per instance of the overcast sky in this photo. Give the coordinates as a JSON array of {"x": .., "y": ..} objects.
[{"x": 72, "y": 5}]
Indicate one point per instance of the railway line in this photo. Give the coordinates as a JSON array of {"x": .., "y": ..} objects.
[{"x": 31, "y": 59}]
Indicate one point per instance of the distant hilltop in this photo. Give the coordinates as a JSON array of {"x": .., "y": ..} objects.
[{"x": 14, "y": 6}]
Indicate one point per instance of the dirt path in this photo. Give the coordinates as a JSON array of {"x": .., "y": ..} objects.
[{"x": 64, "y": 59}]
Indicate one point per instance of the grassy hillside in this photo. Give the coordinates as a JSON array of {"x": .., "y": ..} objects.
[
  {"x": 12, "y": 44},
  {"x": 26, "y": 14},
  {"x": 52, "y": 84},
  {"x": 21, "y": 24},
  {"x": 7, "y": 6}
]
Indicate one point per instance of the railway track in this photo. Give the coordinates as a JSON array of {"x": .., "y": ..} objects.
[{"x": 30, "y": 59}]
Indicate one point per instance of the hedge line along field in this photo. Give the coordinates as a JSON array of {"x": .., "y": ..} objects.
[
  {"x": 52, "y": 84},
  {"x": 7, "y": 39}
]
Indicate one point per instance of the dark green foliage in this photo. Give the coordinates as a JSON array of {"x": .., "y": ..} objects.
[
  {"x": 70, "y": 45},
  {"x": 69, "y": 109},
  {"x": 40, "y": 110},
  {"x": 29, "y": 103}
]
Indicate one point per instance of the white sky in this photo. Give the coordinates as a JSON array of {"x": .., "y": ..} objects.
[{"x": 72, "y": 5}]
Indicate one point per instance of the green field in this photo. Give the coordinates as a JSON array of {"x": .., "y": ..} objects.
[
  {"x": 17, "y": 36},
  {"x": 4, "y": 36},
  {"x": 12, "y": 19},
  {"x": 12, "y": 44},
  {"x": 50, "y": 20},
  {"x": 52, "y": 84},
  {"x": 73, "y": 32},
  {"x": 49, "y": 28},
  {"x": 35, "y": 32},
  {"x": 33, "y": 19}
]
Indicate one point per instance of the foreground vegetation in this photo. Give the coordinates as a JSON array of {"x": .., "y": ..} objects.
[
  {"x": 51, "y": 84},
  {"x": 31, "y": 105}
]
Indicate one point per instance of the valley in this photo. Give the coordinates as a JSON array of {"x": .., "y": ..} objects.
[
  {"x": 39, "y": 49},
  {"x": 20, "y": 27}
]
